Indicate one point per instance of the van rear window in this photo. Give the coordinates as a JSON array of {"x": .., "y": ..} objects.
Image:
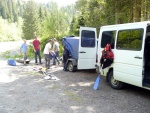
[
  {"x": 88, "y": 38},
  {"x": 130, "y": 39}
]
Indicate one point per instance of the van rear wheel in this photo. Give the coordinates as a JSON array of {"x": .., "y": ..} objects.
[
  {"x": 115, "y": 84},
  {"x": 71, "y": 67}
]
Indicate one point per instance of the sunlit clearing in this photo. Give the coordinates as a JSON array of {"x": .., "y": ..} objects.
[
  {"x": 85, "y": 83},
  {"x": 7, "y": 79},
  {"x": 55, "y": 69},
  {"x": 89, "y": 108},
  {"x": 39, "y": 80},
  {"x": 75, "y": 107},
  {"x": 72, "y": 85}
]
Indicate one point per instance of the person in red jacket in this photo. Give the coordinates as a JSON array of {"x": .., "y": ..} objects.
[{"x": 36, "y": 47}]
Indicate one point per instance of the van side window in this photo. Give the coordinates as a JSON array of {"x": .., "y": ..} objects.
[
  {"x": 108, "y": 37},
  {"x": 87, "y": 38},
  {"x": 130, "y": 39}
]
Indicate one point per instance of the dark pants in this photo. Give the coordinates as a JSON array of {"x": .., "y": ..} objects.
[
  {"x": 37, "y": 53},
  {"x": 47, "y": 61},
  {"x": 65, "y": 58},
  {"x": 56, "y": 58}
]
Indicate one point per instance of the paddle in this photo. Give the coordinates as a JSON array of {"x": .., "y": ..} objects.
[{"x": 97, "y": 82}]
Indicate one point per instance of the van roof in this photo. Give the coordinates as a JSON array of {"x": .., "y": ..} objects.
[{"x": 144, "y": 23}]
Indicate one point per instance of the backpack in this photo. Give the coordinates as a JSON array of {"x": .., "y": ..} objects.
[
  {"x": 11, "y": 62},
  {"x": 107, "y": 56}
]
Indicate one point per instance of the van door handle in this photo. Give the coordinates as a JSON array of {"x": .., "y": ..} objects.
[
  {"x": 82, "y": 52},
  {"x": 138, "y": 57}
]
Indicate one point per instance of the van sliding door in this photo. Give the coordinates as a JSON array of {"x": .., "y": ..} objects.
[{"x": 128, "y": 61}]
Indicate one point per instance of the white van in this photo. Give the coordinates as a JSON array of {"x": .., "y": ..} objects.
[
  {"x": 87, "y": 47},
  {"x": 131, "y": 46}
]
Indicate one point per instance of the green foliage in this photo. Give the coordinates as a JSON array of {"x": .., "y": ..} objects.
[
  {"x": 10, "y": 31},
  {"x": 43, "y": 41},
  {"x": 130, "y": 39},
  {"x": 30, "y": 51},
  {"x": 10, "y": 21},
  {"x": 31, "y": 20},
  {"x": 47, "y": 20},
  {"x": 9, "y": 9},
  {"x": 96, "y": 13},
  {"x": 7, "y": 55}
]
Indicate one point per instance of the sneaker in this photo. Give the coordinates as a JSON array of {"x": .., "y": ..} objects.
[
  {"x": 65, "y": 69},
  {"x": 36, "y": 63},
  {"x": 41, "y": 63},
  {"x": 58, "y": 63}
]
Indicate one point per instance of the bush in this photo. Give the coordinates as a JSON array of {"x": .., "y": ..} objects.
[
  {"x": 30, "y": 51},
  {"x": 43, "y": 41}
]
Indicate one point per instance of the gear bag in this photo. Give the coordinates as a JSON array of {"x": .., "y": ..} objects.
[{"x": 11, "y": 62}]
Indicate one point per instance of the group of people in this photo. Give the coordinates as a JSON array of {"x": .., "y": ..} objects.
[{"x": 49, "y": 52}]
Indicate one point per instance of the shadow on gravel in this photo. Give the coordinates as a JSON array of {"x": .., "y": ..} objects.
[{"x": 26, "y": 91}]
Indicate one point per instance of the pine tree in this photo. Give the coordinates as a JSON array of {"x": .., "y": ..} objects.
[{"x": 31, "y": 20}]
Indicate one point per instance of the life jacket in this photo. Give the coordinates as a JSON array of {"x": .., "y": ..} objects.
[
  {"x": 107, "y": 56},
  {"x": 107, "y": 52}
]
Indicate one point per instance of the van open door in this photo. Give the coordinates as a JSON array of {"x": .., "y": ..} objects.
[{"x": 87, "y": 48}]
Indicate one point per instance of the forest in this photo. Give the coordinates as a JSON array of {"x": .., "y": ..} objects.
[{"x": 21, "y": 20}]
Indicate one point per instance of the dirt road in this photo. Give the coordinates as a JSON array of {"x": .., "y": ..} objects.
[{"x": 23, "y": 90}]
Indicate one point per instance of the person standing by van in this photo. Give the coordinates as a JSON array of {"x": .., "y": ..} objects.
[
  {"x": 65, "y": 57},
  {"x": 36, "y": 47},
  {"x": 47, "y": 52},
  {"x": 56, "y": 50},
  {"x": 24, "y": 49}
]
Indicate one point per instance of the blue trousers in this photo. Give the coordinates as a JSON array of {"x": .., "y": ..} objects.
[
  {"x": 37, "y": 53},
  {"x": 56, "y": 57}
]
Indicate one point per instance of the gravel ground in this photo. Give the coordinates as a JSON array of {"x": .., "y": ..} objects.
[{"x": 23, "y": 90}]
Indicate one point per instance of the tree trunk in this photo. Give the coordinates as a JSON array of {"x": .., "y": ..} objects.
[{"x": 137, "y": 10}]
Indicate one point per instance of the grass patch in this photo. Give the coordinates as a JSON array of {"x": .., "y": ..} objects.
[
  {"x": 7, "y": 55},
  {"x": 30, "y": 73},
  {"x": 54, "y": 87}
]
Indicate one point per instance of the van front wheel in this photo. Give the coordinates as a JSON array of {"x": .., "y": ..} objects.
[{"x": 115, "y": 84}]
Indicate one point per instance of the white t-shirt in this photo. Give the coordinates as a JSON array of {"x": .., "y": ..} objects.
[
  {"x": 47, "y": 48},
  {"x": 56, "y": 47}
]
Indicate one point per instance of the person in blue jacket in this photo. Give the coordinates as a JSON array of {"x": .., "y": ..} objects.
[
  {"x": 24, "y": 49},
  {"x": 65, "y": 57}
]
